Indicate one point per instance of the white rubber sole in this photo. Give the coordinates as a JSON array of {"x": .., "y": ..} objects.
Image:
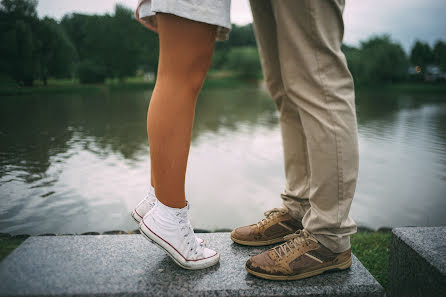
[
  {"x": 136, "y": 217},
  {"x": 174, "y": 254}
]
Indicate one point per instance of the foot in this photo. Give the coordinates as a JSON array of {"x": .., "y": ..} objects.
[
  {"x": 170, "y": 229},
  {"x": 300, "y": 257},
  {"x": 276, "y": 224},
  {"x": 145, "y": 205}
]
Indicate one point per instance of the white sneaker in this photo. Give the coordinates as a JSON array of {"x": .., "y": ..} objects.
[
  {"x": 144, "y": 206},
  {"x": 170, "y": 229}
]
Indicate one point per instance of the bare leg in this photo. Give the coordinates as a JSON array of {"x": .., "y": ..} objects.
[{"x": 186, "y": 49}]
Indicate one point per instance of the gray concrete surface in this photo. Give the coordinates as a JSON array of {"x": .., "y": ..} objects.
[
  {"x": 129, "y": 265},
  {"x": 418, "y": 262}
]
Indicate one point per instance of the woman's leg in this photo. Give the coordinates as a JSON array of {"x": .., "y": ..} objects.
[{"x": 186, "y": 49}]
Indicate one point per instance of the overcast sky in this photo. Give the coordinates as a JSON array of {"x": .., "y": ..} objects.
[{"x": 405, "y": 20}]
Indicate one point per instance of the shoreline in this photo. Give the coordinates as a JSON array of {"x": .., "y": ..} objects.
[{"x": 136, "y": 84}]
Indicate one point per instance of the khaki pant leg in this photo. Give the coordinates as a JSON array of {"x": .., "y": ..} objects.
[
  {"x": 296, "y": 192},
  {"x": 317, "y": 80}
]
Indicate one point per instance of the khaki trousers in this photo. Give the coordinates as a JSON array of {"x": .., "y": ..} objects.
[{"x": 307, "y": 76}]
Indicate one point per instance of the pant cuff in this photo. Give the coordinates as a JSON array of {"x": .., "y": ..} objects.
[
  {"x": 335, "y": 243},
  {"x": 297, "y": 207}
]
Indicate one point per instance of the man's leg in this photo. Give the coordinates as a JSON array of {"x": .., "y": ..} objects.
[
  {"x": 317, "y": 80},
  {"x": 296, "y": 192},
  {"x": 279, "y": 222}
]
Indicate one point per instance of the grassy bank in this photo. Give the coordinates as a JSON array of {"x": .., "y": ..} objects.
[
  {"x": 7, "y": 245},
  {"x": 62, "y": 86},
  {"x": 215, "y": 79},
  {"x": 371, "y": 248}
]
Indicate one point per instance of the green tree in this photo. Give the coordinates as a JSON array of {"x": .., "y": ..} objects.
[
  {"x": 90, "y": 72},
  {"x": 242, "y": 36},
  {"x": 55, "y": 51},
  {"x": 378, "y": 60},
  {"x": 117, "y": 43},
  {"x": 421, "y": 55},
  {"x": 76, "y": 27},
  {"x": 383, "y": 60},
  {"x": 25, "y": 65},
  {"x": 220, "y": 56},
  {"x": 18, "y": 44},
  {"x": 32, "y": 48},
  {"x": 125, "y": 54},
  {"x": 439, "y": 54},
  {"x": 149, "y": 48},
  {"x": 19, "y": 9},
  {"x": 355, "y": 65}
]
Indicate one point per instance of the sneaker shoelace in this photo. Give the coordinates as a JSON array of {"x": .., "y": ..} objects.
[
  {"x": 294, "y": 241},
  {"x": 150, "y": 198},
  {"x": 270, "y": 214},
  {"x": 192, "y": 228},
  {"x": 188, "y": 233}
]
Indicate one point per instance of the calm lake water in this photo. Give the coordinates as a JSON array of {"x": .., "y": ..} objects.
[{"x": 78, "y": 163}]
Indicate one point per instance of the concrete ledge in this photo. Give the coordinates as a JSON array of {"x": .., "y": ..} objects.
[
  {"x": 128, "y": 265},
  {"x": 418, "y": 262}
]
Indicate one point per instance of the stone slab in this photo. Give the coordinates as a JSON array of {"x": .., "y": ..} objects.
[
  {"x": 418, "y": 262},
  {"x": 129, "y": 265}
]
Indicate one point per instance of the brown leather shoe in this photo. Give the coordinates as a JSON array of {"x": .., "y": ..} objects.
[
  {"x": 300, "y": 257},
  {"x": 276, "y": 224}
]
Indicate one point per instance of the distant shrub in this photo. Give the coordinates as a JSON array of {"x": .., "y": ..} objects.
[
  {"x": 377, "y": 60},
  {"x": 245, "y": 62},
  {"x": 220, "y": 56},
  {"x": 91, "y": 72}
]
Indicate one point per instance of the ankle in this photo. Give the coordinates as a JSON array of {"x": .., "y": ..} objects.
[
  {"x": 173, "y": 199},
  {"x": 173, "y": 204},
  {"x": 169, "y": 209}
]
